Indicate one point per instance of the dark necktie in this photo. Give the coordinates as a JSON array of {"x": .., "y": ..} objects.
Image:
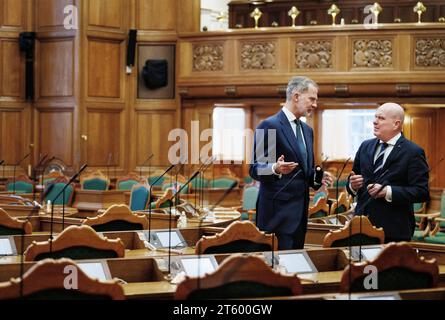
[
  {"x": 300, "y": 143},
  {"x": 378, "y": 164}
]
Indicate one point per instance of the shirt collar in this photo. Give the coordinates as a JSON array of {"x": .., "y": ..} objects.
[
  {"x": 393, "y": 140},
  {"x": 289, "y": 115}
]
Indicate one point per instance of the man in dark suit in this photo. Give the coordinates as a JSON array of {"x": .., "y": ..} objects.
[
  {"x": 283, "y": 162},
  {"x": 393, "y": 171}
]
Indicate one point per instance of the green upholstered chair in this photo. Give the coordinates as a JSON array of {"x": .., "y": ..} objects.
[
  {"x": 340, "y": 206},
  {"x": 175, "y": 186},
  {"x": 153, "y": 181},
  {"x": 319, "y": 209},
  {"x": 222, "y": 183},
  {"x": 239, "y": 236},
  {"x": 117, "y": 218},
  {"x": 128, "y": 181},
  {"x": 399, "y": 268},
  {"x": 239, "y": 277},
  {"x": 199, "y": 183},
  {"x": 10, "y": 226},
  {"x": 139, "y": 197},
  {"x": 357, "y": 231},
  {"x": 95, "y": 181},
  {"x": 53, "y": 188},
  {"x": 248, "y": 180},
  {"x": 46, "y": 280},
  {"x": 76, "y": 242},
  {"x": 21, "y": 184},
  {"x": 250, "y": 196}
]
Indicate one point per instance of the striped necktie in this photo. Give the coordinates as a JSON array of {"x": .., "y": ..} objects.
[{"x": 378, "y": 164}]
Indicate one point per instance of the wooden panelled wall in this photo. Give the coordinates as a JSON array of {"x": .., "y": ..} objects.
[
  {"x": 355, "y": 68},
  {"x": 86, "y": 108}
]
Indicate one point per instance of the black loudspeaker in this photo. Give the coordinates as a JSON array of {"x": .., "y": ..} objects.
[
  {"x": 131, "y": 49},
  {"x": 27, "y": 43},
  {"x": 155, "y": 73}
]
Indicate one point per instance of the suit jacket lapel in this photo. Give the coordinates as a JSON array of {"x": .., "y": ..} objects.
[
  {"x": 394, "y": 153},
  {"x": 308, "y": 141},
  {"x": 289, "y": 134}
]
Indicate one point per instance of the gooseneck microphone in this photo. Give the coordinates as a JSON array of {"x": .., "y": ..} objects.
[
  {"x": 149, "y": 198},
  {"x": 63, "y": 204},
  {"x": 336, "y": 185},
  {"x": 143, "y": 164},
  {"x": 15, "y": 165}
]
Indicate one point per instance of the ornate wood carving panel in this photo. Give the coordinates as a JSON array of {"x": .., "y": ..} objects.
[
  {"x": 259, "y": 55},
  {"x": 372, "y": 53},
  {"x": 430, "y": 52},
  {"x": 313, "y": 54},
  {"x": 208, "y": 57}
]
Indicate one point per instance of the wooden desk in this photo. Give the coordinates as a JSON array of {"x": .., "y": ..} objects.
[{"x": 89, "y": 201}]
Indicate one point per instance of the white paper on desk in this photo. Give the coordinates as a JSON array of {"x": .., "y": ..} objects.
[
  {"x": 295, "y": 263},
  {"x": 193, "y": 269},
  {"x": 5, "y": 247},
  {"x": 163, "y": 238},
  {"x": 93, "y": 270}
]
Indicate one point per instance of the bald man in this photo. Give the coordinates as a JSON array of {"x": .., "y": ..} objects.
[{"x": 394, "y": 172}]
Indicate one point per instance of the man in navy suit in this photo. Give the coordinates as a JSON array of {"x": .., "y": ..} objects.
[
  {"x": 283, "y": 162},
  {"x": 393, "y": 171}
]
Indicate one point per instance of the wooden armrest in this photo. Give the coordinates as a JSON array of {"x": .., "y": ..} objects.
[{"x": 428, "y": 215}]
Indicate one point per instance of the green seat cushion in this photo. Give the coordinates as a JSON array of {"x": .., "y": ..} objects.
[
  {"x": 126, "y": 185},
  {"x": 95, "y": 184}
]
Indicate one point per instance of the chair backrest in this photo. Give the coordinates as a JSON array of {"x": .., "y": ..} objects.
[
  {"x": 319, "y": 195},
  {"x": 12, "y": 226},
  {"x": 399, "y": 268},
  {"x": 95, "y": 181},
  {"x": 128, "y": 181},
  {"x": 164, "y": 201},
  {"x": 199, "y": 183},
  {"x": 53, "y": 188},
  {"x": 222, "y": 183},
  {"x": 76, "y": 242},
  {"x": 21, "y": 184},
  {"x": 239, "y": 277},
  {"x": 47, "y": 280},
  {"x": 340, "y": 206},
  {"x": 117, "y": 218},
  {"x": 139, "y": 197},
  {"x": 320, "y": 209},
  {"x": 357, "y": 231},
  {"x": 239, "y": 236},
  {"x": 250, "y": 196}
]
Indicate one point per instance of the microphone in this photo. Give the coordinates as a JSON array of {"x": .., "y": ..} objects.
[
  {"x": 143, "y": 164},
  {"x": 318, "y": 175},
  {"x": 63, "y": 204},
  {"x": 108, "y": 166},
  {"x": 34, "y": 176},
  {"x": 15, "y": 165},
  {"x": 149, "y": 197}
]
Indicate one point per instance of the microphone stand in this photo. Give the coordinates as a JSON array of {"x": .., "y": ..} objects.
[
  {"x": 143, "y": 164},
  {"x": 43, "y": 176},
  {"x": 149, "y": 198},
  {"x": 15, "y": 165},
  {"x": 34, "y": 176},
  {"x": 336, "y": 186},
  {"x": 54, "y": 200}
]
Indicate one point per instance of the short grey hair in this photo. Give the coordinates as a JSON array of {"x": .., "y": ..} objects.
[{"x": 299, "y": 84}]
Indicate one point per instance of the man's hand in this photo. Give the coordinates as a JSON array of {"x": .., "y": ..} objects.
[
  {"x": 283, "y": 167},
  {"x": 327, "y": 179},
  {"x": 356, "y": 181},
  {"x": 374, "y": 188}
]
